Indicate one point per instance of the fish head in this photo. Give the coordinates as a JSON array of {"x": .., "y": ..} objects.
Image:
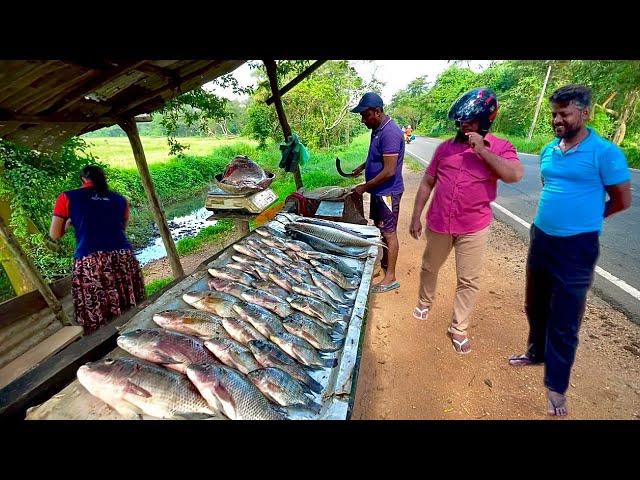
[
  {"x": 106, "y": 378},
  {"x": 193, "y": 297},
  {"x": 167, "y": 317}
]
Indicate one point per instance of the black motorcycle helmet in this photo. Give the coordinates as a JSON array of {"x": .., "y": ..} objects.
[{"x": 478, "y": 103}]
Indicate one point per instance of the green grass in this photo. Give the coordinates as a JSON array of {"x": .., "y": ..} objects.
[
  {"x": 155, "y": 285},
  {"x": 116, "y": 151},
  {"x": 412, "y": 164}
]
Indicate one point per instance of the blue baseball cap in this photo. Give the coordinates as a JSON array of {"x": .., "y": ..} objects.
[{"x": 368, "y": 100}]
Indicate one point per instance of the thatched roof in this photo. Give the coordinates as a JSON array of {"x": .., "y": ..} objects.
[{"x": 45, "y": 102}]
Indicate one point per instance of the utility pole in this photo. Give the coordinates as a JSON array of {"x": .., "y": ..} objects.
[{"x": 535, "y": 115}]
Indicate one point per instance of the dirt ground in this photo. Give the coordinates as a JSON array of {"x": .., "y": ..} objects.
[{"x": 409, "y": 370}]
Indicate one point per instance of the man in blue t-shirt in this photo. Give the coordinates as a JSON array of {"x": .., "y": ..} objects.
[
  {"x": 383, "y": 180},
  {"x": 577, "y": 169}
]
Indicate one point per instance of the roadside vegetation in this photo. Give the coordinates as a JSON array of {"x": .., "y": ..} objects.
[{"x": 195, "y": 135}]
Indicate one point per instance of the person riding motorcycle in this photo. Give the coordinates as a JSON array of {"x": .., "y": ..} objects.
[{"x": 407, "y": 134}]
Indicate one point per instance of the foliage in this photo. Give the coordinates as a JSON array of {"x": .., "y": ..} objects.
[
  {"x": 317, "y": 109},
  {"x": 155, "y": 285}
]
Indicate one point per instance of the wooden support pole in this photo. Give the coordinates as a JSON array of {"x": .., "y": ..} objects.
[
  {"x": 130, "y": 128},
  {"x": 270, "y": 65},
  {"x": 30, "y": 269},
  {"x": 297, "y": 80},
  {"x": 242, "y": 227}
]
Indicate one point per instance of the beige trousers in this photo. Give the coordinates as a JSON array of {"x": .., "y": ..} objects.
[{"x": 469, "y": 249}]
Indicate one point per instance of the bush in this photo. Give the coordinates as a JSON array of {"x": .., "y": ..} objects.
[
  {"x": 633, "y": 156},
  {"x": 187, "y": 245},
  {"x": 155, "y": 285}
]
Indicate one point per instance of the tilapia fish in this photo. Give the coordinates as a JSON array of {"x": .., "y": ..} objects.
[
  {"x": 282, "y": 388},
  {"x": 277, "y": 305},
  {"x": 332, "y": 289},
  {"x": 269, "y": 354},
  {"x": 240, "y": 399},
  {"x": 174, "y": 350},
  {"x": 310, "y": 331},
  {"x": 215, "y": 302},
  {"x": 334, "y": 275},
  {"x": 329, "y": 259},
  {"x": 270, "y": 287},
  {"x": 266, "y": 230},
  {"x": 263, "y": 320},
  {"x": 227, "y": 286},
  {"x": 316, "y": 308},
  {"x": 301, "y": 350},
  {"x": 241, "y": 331},
  {"x": 315, "y": 292},
  {"x": 232, "y": 274},
  {"x": 192, "y": 322},
  {"x": 134, "y": 387},
  {"x": 233, "y": 354},
  {"x": 247, "y": 250}
]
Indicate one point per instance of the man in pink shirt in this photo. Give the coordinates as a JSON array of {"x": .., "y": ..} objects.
[{"x": 463, "y": 174}]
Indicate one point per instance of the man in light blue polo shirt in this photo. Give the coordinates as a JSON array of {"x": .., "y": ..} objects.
[{"x": 577, "y": 168}]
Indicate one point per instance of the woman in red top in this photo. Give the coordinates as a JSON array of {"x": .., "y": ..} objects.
[{"x": 106, "y": 277}]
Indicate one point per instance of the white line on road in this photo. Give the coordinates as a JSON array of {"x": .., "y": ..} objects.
[
  {"x": 422, "y": 160},
  {"x": 600, "y": 271}
]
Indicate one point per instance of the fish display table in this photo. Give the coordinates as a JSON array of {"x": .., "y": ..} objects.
[{"x": 74, "y": 402}]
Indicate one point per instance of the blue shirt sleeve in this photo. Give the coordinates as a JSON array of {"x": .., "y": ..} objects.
[{"x": 612, "y": 165}]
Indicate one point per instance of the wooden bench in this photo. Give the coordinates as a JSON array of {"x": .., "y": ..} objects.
[{"x": 45, "y": 349}]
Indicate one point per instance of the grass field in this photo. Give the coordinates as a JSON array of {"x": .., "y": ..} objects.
[{"x": 116, "y": 151}]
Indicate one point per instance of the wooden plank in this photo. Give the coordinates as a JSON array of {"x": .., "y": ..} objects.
[
  {"x": 39, "y": 353},
  {"x": 28, "y": 266},
  {"x": 52, "y": 375},
  {"x": 19, "y": 307}
]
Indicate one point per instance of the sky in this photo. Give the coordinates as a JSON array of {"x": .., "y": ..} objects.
[{"x": 397, "y": 74}]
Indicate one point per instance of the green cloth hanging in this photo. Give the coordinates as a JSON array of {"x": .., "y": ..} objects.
[{"x": 293, "y": 153}]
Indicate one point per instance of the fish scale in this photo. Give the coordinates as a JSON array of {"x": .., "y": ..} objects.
[
  {"x": 134, "y": 387},
  {"x": 240, "y": 399}
]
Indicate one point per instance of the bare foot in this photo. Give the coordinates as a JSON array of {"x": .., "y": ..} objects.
[{"x": 556, "y": 404}]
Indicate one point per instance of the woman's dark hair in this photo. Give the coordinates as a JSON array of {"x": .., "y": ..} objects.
[
  {"x": 575, "y": 92},
  {"x": 96, "y": 175}
]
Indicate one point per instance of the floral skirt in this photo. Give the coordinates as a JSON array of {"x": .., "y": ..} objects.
[{"x": 104, "y": 285}]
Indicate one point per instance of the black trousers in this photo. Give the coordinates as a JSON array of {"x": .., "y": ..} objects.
[{"x": 559, "y": 274}]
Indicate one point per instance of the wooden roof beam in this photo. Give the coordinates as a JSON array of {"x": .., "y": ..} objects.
[
  {"x": 297, "y": 80},
  {"x": 90, "y": 86},
  {"x": 132, "y": 108},
  {"x": 8, "y": 119}
]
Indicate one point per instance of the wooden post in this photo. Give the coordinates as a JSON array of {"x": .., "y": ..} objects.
[
  {"x": 130, "y": 128},
  {"x": 242, "y": 227},
  {"x": 270, "y": 65},
  {"x": 535, "y": 115},
  {"x": 28, "y": 266}
]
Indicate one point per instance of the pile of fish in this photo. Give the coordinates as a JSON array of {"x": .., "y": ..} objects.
[{"x": 274, "y": 315}]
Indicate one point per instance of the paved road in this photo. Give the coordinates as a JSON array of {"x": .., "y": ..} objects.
[{"x": 618, "y": 278}]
